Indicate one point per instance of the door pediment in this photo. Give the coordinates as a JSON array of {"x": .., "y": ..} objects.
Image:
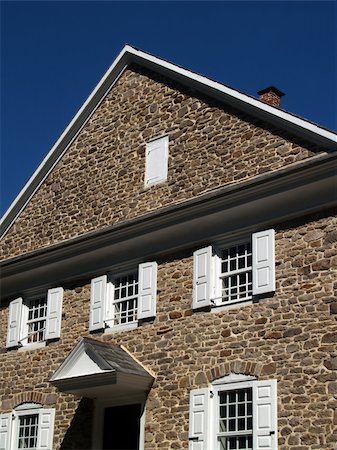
[{"x": 94, "y": 369}]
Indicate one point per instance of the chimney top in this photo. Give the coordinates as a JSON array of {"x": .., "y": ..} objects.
[{"x": 271, "y": 95}]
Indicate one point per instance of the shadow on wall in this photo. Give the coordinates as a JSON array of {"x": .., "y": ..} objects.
[{"x": 79, "y": 433}]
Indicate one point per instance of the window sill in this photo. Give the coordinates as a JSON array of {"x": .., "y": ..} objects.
[
  {"x": 34, "y": 346},
  {"x": 238, "y": 304},
  {"x": 154, "y": 183},
  {"x": 124, "y": 327}
]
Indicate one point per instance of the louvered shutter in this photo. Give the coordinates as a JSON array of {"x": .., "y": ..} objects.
[
  {"x": 14, "y": 322},
  {"x": 5, "y": 431},
  {"x": 265, "y": 415},
  {"x": 98, "y": 298},
  {"x": 156, "y": 161},
  {"x": 147, "y": 278},
  {"x": 46, "y": 429},
  {"x": 198, "y": 434},
  {"x": 263, "y": 262},
  {"x": 202, "y": 273},
  {"x": 54, "y": 313}
]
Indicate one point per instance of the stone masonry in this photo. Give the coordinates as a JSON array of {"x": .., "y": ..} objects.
[{"x": 289, "y": 336}]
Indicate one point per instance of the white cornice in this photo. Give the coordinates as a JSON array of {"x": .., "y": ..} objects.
[{"x": 128, "y": 55}]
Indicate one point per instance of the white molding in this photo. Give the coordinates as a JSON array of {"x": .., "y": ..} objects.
[
  {"x": 124, "y": 58},
  {"x": 26, "y": 406},
  {"x": 32, "y": 346},
  {"x": 123, "y": 327},
  {"x": 233, "y": 378}
]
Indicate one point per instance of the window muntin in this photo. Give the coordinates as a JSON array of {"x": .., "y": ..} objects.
[
  {"x": 235, "y": 274},
  {"x": 36, "y": 319},
  {"x": 27, "y": 431},
  {"x": 235, "y": 425},
  {"x": 125, "y": 302}
]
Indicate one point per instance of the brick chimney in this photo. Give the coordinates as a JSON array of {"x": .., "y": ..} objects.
[{"x": 271, "y": 95}]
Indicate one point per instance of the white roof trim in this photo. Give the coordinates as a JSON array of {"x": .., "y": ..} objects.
[{"x": 128, "y": 55}]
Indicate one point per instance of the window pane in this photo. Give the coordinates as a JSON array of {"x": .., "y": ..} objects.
[
  {"x": 232, "y": 396},
  {"x": 232, "y": 411},
  {"x": 241, "y": 424},
  {"x": 249, "y": 409},
  {"x": 231, "y": 425},
  {"x": 241, "y": 409},
  {"x": 249, "y": 423},
  {"x": 223, "y": 411}
]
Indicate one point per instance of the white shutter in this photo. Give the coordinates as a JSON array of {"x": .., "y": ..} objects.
[
  {"x": 156, "y": 161},
  {"x": 263, "y": 262},
  {"x": 46, "y": 429},
  {"x": 199, "y": 432},
  {"x": 265, "y": 415},
  {"x": 5, "y": 431},
  {"x": 54, "y": 313},
  {"x": 14, "y": 322},
  {"x": 98, "y": 298},
  {"x": 202, "y": 282},
  {"x": 147, "y": 278}
]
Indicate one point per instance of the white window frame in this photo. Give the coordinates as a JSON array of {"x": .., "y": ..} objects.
[
  {"x": 111, "y": 302},
  {"x": 24, "y": 334},
  {"x": 204, "y": 413},
  {"x": 216, "y": 390},
  {"x": 17, "y": 332},
  {"x": 102, "y": 302},
  {"x": 45, "y": 425},
  {"x": 161, "y": 144},
  {"x": 207, "y": 284},
  {"x": 217, "y": 299}
]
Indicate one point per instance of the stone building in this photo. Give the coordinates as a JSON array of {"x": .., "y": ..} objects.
[{"x": 169, "y": 274}]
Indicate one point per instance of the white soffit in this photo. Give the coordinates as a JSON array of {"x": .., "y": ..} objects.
[{"x": 128, "y": 55}]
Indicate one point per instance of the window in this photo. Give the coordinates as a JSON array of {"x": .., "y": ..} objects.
[
  {"x": 29, "y": 427},
  {"x": 235, "y": 419},
  {"x": 124, "y": 300},
  {"x": 27, "y": 431},
  {"x": 235, "y": 277},
  {"x": 156, "y": 156},
  {"x": 236, "y": 413},
  {"x": 235, "y": 273},
  {"x": 35, "y": 320},
  {"x": 119, "y": 302}
]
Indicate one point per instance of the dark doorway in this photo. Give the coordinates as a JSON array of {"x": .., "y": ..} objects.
[{"x": 121, "y": 427}]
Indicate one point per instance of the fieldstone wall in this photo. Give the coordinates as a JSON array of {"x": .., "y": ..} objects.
[
  {"x": 290, "y": 336},
  {"x": 100, "y": 179}
]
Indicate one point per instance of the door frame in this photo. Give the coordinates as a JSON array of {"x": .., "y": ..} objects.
[{"x": 98, "y": 422}]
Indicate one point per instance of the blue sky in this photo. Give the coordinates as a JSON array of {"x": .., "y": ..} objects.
[{"x": 54, "y": 53}]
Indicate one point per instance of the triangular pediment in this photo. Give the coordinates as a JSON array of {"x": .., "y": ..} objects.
[
  {"x": 80, "y": 362},
  {"x": 94, "y": 368}
]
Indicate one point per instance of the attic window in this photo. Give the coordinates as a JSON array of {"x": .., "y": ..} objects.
[{"x": 156, "y": 161}]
